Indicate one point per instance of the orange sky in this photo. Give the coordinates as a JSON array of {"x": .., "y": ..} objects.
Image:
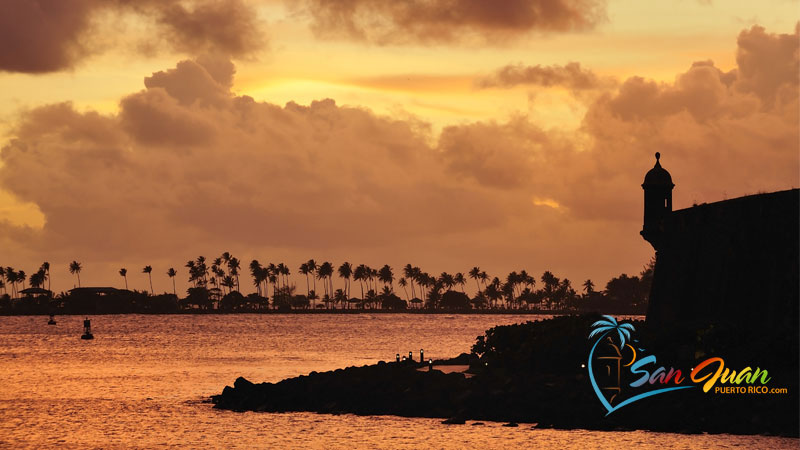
[{"x": 443, "y": 133}]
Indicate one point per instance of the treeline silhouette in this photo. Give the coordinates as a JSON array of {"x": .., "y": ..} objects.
[{"x": 215, "y": 287}]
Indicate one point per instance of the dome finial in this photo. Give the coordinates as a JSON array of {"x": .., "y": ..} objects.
[{"x": 658, "y": 156}]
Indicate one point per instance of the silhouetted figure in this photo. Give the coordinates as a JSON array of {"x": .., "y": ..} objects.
[
  {"x": 52, "y": 320},
  {"x": 87, "y": 329}
]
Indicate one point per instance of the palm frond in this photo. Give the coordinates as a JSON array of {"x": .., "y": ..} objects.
[
  {"x": 604, "y": 323},
  {"x": 621, "y": 338},
  {"x": 610, "y": 319},
  {"x": 598, "y": 331}
]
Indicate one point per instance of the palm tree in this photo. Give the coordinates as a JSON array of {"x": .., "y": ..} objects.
[
  {"x": 360, "y": 274},
  {"x": 340, "y": 296},
  {"x": 304, "y": 270},
  {"x": 273, "y": 277},
  {"x": 228, "y": 282},
  {"x": 312, "y": 268},
  {"x": 171, "y": 273},
  {"x": 46, "y": 268},
  {"x": 447, "y": 280},
  {"x": 193, "y": 272},
  {"x": 372, "y": 275},
  {"x": 285, "y": 272},
  {"x": 460, "y": 280},
  {"x": 484, "y": 277},
  {"x": 410, "y": 274},
  {"x": 233, "y": 266},
  {"x": 226, "y": 258},
  {"x": 275, "y": 281},
  {"x": 123, "y": 272},
  {"x": 37, "y": 279},
  {"x": 75, "y": 269},
  {"x": 21, "y": 277},
  {"x": 475, "y": 274},
  {"x": 346, "y": 271},
  {"x": 256, "y": 273},
  {"x": 493, "y": 291},
  {"x": 202, "y": 270},
  {"x": 11, "y": 278},
  {"x": 403, "y": 283},
  {"x": 588, "y": 286},
  {"x": 386, "y": 276},
  {"x": 149, "y": 271},
  {"x": 325, "y": 273}
]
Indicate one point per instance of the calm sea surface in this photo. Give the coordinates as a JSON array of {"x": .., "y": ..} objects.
[{"x": 141, "y": 384}]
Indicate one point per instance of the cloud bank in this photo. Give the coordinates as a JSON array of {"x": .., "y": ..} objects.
[{"x": 187, "y": 167}]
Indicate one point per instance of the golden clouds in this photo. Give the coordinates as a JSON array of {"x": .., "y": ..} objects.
[{"x": 187, "y": 164}]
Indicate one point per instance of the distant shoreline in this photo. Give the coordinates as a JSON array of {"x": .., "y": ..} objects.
[{"x": 507, "y": 312}]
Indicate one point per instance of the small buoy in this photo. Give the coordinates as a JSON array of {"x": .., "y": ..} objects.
[
  {"x": 87, "y": 329},
  {"x": 52, "y": 320}
]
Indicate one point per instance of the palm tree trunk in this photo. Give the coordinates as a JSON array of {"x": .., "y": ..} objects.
[
  {"x": 149, "y": 275},
  {"x": 173, "y": 287}
]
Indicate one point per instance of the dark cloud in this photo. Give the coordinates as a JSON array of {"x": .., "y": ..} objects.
[
  {"x": 49, "y": 35},
  {"x": 227, "y": 26},
  {"x": 42, "y": 36},
  {"x": 439, "y": 21},
  {"x": 571, "y": 76}
]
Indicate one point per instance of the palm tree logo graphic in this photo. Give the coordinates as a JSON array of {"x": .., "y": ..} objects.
[
  {"x": 608, "y": 355},
  {"x": 605, "y": 375}
]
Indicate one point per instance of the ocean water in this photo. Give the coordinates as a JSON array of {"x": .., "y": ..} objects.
[{"x": 142, "y": 382}]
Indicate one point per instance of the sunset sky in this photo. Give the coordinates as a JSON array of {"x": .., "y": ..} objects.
[{"x": 442, "y": 133}]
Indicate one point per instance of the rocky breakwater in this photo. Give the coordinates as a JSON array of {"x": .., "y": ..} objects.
[{"x": 533, "y": 373}]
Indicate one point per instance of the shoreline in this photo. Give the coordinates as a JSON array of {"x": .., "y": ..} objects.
[{"x": 507, "y": 312}]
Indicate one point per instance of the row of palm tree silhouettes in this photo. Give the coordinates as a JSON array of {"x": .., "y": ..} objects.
[{"x": 221, "y": 276}]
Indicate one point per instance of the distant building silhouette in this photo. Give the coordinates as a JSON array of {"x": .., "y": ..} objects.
[{"x": 733, "y": 261}]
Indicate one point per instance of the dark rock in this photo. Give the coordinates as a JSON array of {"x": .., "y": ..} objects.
[{"x": 454, "y": 421}]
